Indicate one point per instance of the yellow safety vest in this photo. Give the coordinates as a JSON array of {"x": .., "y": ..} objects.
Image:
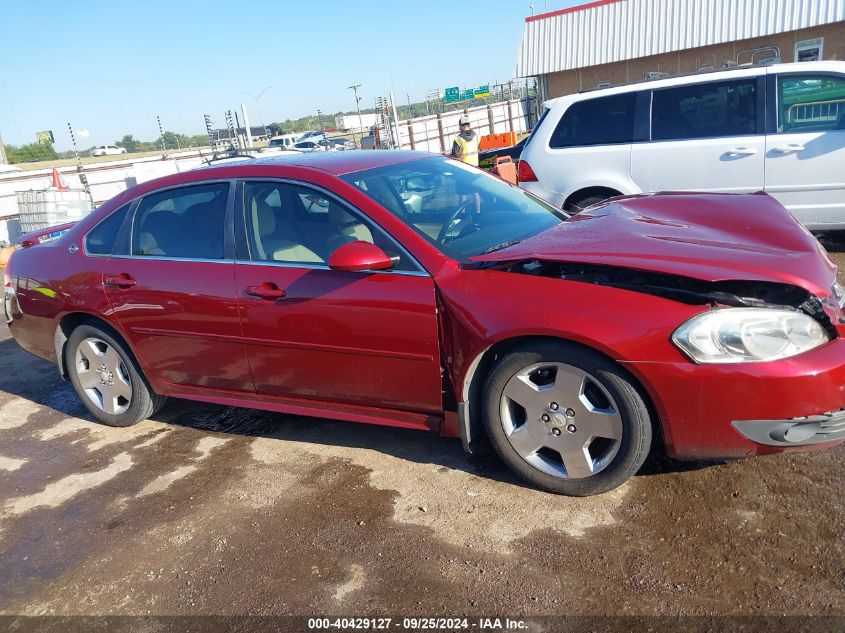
[{"x": 468, "y": 149}]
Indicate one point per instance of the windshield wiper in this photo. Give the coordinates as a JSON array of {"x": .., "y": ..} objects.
[{"x": 499, "y": 247}]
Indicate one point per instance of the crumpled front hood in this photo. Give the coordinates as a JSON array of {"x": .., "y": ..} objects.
[{"x": 712, "y": 237}]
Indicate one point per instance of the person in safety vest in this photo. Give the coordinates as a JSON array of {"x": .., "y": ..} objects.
[{"x": 465, "y": 146}]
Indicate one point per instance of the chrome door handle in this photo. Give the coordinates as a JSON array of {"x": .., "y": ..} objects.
[
  {"x": 741, "y": 151},
  {"x": 788, "y": 149}
]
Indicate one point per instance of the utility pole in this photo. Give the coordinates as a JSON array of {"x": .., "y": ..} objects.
[
  {"x": 246, "y": 126},
  {"x": 161, "y": 135},
  {"x": 3, "y": 158},
  {"x": 397, "y": 144},
  {"x": 82, "y": 177},
  {"x": 354, "y": 89}
]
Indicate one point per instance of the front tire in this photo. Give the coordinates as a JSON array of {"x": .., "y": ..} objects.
[
  {"x": 107, "y": 378},
  {"x": 566, "y": 419}
]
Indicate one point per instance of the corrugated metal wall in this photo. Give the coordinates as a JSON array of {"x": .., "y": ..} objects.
[{"x": 628, "y": 29}]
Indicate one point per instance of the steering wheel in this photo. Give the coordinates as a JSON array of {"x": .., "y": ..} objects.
[{"x": 459, "y": 224}]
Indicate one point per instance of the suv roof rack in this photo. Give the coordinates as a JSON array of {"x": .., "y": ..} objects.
[{"x": 695, "y": 73}]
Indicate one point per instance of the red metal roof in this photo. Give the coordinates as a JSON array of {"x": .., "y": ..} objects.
[{"x": 580, "y": 7}]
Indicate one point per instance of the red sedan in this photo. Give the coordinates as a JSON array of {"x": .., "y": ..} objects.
[{"x": 406, "y": 289}]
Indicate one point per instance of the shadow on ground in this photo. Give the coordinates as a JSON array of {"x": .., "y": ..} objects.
[{"x": 37, "y": 380}]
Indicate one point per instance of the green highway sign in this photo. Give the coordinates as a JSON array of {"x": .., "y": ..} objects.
[{"x": 456, "y": 94}]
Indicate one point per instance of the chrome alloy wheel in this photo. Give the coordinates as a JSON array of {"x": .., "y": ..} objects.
[
  {"x": 561, "y": 420},
  {"x": 103, "y": 376}
]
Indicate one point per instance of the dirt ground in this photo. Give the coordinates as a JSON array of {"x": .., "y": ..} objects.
[{"x": 214, "y": 510}]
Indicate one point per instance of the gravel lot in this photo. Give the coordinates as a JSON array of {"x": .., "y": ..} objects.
[{"x": 214, "y": 510}]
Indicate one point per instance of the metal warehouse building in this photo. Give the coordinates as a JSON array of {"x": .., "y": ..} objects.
[{"x": 612, "y": 42}]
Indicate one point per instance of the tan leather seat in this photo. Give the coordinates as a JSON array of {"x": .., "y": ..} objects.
[
  {"x": 160, "y": 234},
  {"x": 346, "y": 227},
  {"x": 273, "y": 247}
]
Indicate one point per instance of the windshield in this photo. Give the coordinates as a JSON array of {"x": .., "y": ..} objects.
[{"x": 461, "y": 210}]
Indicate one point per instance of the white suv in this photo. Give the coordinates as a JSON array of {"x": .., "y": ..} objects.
[{"x": 779, "y": 128}]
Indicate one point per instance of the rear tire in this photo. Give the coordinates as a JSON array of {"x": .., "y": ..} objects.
[
  {"x": 566, "y": 419},
  {"x": 107, "y": 378},
  {"x": 582, "y": 203}
]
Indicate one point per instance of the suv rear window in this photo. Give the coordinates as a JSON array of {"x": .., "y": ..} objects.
[
  {"x": 602, "y": 121},
  {"x": 724, "y": 108}
]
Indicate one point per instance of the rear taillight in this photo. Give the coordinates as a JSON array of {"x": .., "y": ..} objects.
[{"x": 524, "y": 173}]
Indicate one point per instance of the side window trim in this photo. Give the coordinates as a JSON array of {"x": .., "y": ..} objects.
[
  {"x": 129, "y": 222},
  {"x": 762, "y": 112},
  {"x": 642, "y": 117},
  {"x": 242, "y": 241},
  {"x": 771, "y": 104}
]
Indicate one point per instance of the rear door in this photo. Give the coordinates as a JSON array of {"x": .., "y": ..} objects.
[
  {"x": 363, "y": 338},
  {"x": 170, "y": 283},
  {"x": 704, "y": 137},
  {"x": 805, "y": 149}
]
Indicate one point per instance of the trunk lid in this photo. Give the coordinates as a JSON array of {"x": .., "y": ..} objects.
[{"x": 712, "y": 237}]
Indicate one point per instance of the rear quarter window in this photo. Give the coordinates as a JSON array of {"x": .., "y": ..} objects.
[
  {"x": 602, "y": 121},
  {"x": 101, "y": 238}
]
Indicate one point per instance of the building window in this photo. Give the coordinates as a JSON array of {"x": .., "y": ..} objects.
[
  {"x": 809, "y": 50},
  {"x": 603, "y": 121},
  {"x": 727, "y": 108}
]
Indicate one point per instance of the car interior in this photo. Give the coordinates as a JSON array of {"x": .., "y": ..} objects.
[{"x": 292, "y": 224}]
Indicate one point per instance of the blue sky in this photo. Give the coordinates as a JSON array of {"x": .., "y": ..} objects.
[{"x": 111, "y": 66}]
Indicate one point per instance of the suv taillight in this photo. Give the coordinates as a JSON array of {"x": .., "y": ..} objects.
[{"x": 524, "y": 173}]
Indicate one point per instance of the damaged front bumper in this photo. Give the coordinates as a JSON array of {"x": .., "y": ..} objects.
[{"x": 805, "y": 431}]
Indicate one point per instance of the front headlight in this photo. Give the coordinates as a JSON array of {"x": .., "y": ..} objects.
[{"x": 748, "y": 335}]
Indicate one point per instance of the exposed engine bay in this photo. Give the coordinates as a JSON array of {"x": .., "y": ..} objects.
[{"x": 735, "y": 293}]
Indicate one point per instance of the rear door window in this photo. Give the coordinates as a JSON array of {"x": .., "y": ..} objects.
[
  {"x": 725, "y": 108},
  {"x": 186, "y": 223},
  {"x": 602, "y": 121},
  {"x": 811, "y": 103}
]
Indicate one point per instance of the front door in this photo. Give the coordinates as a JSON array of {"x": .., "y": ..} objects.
[
  {"x": 805, "y": 153},
  {"x": 172, "y": 288},
  {"x": 704, "y": 137},
  {"x": 359, "y": 338}
]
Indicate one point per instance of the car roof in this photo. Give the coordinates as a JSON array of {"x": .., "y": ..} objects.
[{"x": 336, "y": 163}]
